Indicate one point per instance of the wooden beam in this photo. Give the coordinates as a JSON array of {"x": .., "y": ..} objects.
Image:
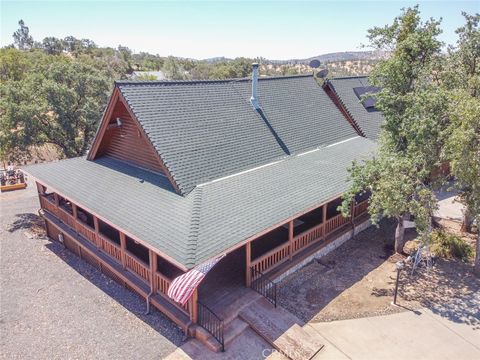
[
  {"x": 74, "y": 213},
  {"x": 123, "y": 243},
  {"x": 97, "y": 232},
  {"x": 152, "y": 257},
  {"x": 290, "y": 238},
  {"x": 193, "y": 308},
  {"x": 324, "y": 218},
  {"x": 248, "y": 275}
]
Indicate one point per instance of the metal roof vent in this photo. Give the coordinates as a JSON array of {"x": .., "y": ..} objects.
[{"x": 254, "y": 98}]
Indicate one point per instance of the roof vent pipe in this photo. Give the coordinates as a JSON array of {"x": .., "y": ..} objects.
[{"x": 254, "y": 98}]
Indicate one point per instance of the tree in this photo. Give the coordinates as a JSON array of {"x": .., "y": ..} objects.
[
  {"x": 53, "y": 46},
  {"x": 22, "y": 38},
  {"x": 463, "y": 135},
  {"x": 399, "y": 177},
  {"x": 58, "y": 103},
  {"x": 172, "y": 69}
]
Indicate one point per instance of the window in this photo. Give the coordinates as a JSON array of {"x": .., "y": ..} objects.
[
  {"x": 85, "y": 217},
  {"x": 365, "y": 95},
  {"x": 109, "y": 232},
  {"x": 137, "y": 249},
  {"x": 65, "y": 204}
]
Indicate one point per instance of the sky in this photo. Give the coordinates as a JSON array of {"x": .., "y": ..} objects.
[{"x": 275, "y": 30}]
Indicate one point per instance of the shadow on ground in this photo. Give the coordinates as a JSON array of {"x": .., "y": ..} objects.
[
  {"x": 26, "y": 221},
  {"x": 358, "y": 280},
  {"x": 128, "y": 299}
]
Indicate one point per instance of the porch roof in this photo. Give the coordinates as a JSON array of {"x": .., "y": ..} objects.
[{"x": 214, "y": 216}]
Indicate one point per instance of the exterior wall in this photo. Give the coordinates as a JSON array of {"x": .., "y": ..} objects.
[
  {"x": 128, "y": 142},
  {"x": 325, "y": 250}
]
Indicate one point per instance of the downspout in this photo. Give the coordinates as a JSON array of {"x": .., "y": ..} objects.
[{"x": 148, "y": 301}]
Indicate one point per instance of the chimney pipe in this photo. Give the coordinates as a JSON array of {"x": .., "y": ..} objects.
[{"x": 254, "y": 98}]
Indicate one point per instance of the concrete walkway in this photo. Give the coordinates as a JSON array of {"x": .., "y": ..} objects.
[
  {"x": 448, "y": 205},
  {"x": 408, "y": 335}
]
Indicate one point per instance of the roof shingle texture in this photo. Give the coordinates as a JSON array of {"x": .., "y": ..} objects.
[
  {"x": 370, "y": 122},
  {"x": 214, "y": 216},
  {"x": 208, "y": 129}
]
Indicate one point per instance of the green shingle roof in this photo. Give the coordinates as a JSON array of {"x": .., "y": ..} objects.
[
  {"x": 204, "y": 130},
  {"x": 214, "y": 216},
  {"x": 370, "y": 122}
]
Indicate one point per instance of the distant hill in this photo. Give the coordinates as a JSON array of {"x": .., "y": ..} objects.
[
  {"x": 334, "y": 57},
  {"x": 324, "y": 58}
]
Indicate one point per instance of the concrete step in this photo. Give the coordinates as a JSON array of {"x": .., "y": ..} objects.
[
  {"x": 234, "y": 329},
  {"x": 281, "y": 329},
  {"x": 230, "y": 333}
]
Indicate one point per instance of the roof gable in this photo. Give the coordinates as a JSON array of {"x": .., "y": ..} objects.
[
  {"x": 368, "y": 120},
  {"x": 205, "y": 130}
]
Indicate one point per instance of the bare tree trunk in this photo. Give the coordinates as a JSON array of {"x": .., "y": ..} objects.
[
  {"x": 476, "y": 269},
  {"x": 467, "y": 220},
  {"x": 400, "y": 235}
]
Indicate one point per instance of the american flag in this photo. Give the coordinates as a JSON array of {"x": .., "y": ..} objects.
[{"x": 183, "y": 286}]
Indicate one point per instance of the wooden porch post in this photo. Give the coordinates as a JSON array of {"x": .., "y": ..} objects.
[
  {"x": 290, "y": 238},
  {"x": 74, "y": 213},
  {"x": 193, "y": 309},
  {"x": 122, "y": 248},
  {"x": 352, "y": 211},
  {"x": 152, "y": 257},
  {"x": 248, "y": 275},
  {"x": 324, "y": 219},
  {"x": 97, "y": 232}
]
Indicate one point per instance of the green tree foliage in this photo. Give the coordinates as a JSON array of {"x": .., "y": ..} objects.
[
  {"x": 22, "y": 38},
  {"x": 410, "y": 147},
  {"x": 58, "y": 103},
  {"x": 462, "y": 78}
]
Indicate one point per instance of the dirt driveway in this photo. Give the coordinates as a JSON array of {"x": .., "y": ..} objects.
[{"x": 358, "y": 279}]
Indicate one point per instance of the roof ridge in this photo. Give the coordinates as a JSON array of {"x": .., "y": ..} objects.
[
  {"x": 192, "y": 242},
  {"x": 209, "y": 81},
  {"x": 348, "y": 77}
]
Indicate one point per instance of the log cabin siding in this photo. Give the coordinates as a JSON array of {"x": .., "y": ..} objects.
[{"x": 128, "y": 142}]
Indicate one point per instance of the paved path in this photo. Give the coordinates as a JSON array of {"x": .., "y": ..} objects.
[
  {"x": 408, "y": 335},
  {"x": 448, "y": 205}
]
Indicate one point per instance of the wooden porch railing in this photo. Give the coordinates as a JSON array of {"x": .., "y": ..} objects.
[
  {"x": 306, "y": 238},
  {"x": 272, "y": 258},
  {"x": 66, "y": 217},
  {"x": 111, "y": 248},
  {"x": 161, "y": 284},
  {"x": 361, "y": 208},
  {"x": 47, "y": 205},
  {"x": 137, "y": 266},
  {"x": 87, "y": 232},
  {"x": 335, "y": 222}
]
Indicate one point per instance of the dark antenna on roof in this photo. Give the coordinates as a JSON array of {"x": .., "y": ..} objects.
[
  {"x": 322, "y": 74},
  {"x": 314, "y": 63}
]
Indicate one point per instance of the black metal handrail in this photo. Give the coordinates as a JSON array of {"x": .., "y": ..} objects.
[
  {"x": 264, "y": 286},
  {"x": 211, "y": 322}
]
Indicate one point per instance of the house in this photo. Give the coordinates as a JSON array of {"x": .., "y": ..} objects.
[
  {"x": 350, "y": 96},
  {"x": 180, "y": 172}
]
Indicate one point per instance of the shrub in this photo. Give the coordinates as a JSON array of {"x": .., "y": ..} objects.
[{"x": 450, "y": 246}]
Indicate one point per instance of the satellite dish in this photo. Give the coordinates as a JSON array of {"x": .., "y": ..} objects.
[
  {"x": 322, "y": 74},
  {"x": 314, "y": 63}
]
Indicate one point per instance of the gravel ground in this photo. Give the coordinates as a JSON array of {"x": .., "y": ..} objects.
[
  {"x": 54, "y": 305},
  {"x": 358, "y": 279}
]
